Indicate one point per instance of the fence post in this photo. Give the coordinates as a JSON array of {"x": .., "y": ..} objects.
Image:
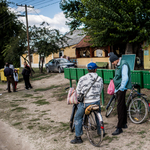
[
  {"x": 103, "y": 97},
  {"x": 70, "y": 83}
]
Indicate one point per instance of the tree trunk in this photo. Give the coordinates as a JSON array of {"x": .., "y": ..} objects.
[
  {"x": 129, "y": 48},
  {"x": 42, "y": 65}
]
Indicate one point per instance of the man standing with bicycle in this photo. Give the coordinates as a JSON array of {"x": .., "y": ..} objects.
[
  {"x": 122, "y": 82},
  {"x": 91, "y": 86}
]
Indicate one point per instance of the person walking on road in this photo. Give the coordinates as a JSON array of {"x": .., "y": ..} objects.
[
  {"x": 8, "y": 72},
  {"x": 26, "y": 74},
  {"x": 122, "y": 82}
]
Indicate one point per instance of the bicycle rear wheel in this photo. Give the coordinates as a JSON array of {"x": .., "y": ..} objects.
[
  {"x": 95, "y": 132},
  {"x": 138, "y": 110},
  {"x": 110, "y": 106}
]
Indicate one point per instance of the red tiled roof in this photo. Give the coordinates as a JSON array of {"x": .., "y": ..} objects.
[{"x": 84, "y": 42}]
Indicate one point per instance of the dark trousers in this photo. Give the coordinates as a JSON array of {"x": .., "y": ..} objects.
[
  {"x": 11, "y": 80},
  {"x": 27, "y": 82},
  {"x": 121, "y": 108}
]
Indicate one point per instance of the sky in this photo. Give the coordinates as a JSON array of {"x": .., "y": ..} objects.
[{"x": 44, "y": 10}]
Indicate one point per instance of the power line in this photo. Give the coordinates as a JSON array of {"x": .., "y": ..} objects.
[
  {"x": 9, "y": 20},
  {"x": 48, "y": 5},
  {"x": 41, "y": 2},
  {"x": 38, "y": 14},
  {"x": 6, "y": 14}
]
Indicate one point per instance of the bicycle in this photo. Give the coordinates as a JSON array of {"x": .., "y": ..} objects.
[
  {"x": 90, "y": 125},
  {"x": 137, "y": 105}
]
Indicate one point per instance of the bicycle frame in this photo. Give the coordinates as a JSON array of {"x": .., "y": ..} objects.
[
  {"x": 86, "y": 116},
  {"x": 131, "y": 96}
]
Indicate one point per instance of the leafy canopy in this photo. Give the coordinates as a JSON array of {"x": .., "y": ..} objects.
[
  {"x": 109, "y": 22},
  {"x": 45, "y": 40},
  {"x": 12, "y": 36}
]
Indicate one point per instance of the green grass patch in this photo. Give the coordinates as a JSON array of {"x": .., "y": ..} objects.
[
  {"x": 64, "y": 124},
  {"x": 110, "y": 139},
  {"x": 47, "y": 88},
  {"x": 40, "y": 78},
  {"x": 41, "y": 102},
  {"x": 30, "y": 127},
  {"x": 19, "y": 100},
  {"x": 36, "y": 119},
  {"x": 14, "y": 105},
  {"x": 47, "y": 119},
  {"x": 141, "y": 132},
  {"x": 38, "y": 96},
  {"x": 19, "y": 109},
  {"x": 44, "y": 128},
  {"x": 28, "y": 95},
  {"x": 43, "y": 114},
  {"x": 17, "y": 123}
]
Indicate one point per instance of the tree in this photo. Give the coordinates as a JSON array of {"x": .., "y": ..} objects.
[
  {"x": 110, "y": 22},
  {"x": 46, "y": 41},
  {"x": 15, "y": 47},
  {"x": 73, "y": 10},
  {"x": 12, "y": 43}
]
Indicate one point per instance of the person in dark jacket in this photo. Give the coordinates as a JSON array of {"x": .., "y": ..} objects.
[
  {"x": 8, "y": 72},
  {"x": 26, "y": 73},
  {"x": 122, "y": 82}
]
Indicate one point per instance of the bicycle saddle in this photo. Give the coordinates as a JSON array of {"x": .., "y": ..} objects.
[
  {"x": 90, "y": 108},
  {"x": 137, "y": 86}
]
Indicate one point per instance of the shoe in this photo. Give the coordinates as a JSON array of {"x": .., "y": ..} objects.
[
  {"x": 9, "y": 92},
  {"x": 77, "y": 140},
  {"x": 26, "y": 89},
  {"x": 118, "y": 131},
  {"x": 125, "y": 126},
  {"x": 15, "y": 91}
]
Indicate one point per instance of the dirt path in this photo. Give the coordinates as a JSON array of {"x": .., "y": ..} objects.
[
  {"x": 11, "y": 139},
  {"x": 40, "y": 120}
]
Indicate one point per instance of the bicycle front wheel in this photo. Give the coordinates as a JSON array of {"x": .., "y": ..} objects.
[
  {"x": 95, "y": 131},
  {"x": 110, "y": 106},
  {"x": 138, "y": 110}
]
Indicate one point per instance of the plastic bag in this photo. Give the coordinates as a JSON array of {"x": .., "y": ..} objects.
[{"x": 111, "y": 88}]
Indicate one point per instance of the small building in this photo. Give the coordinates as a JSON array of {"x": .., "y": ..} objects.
[
  {"x": 69, "y": 50},
  {"x": 85, "y": 53},
  {"x": 146, "y": 54}
]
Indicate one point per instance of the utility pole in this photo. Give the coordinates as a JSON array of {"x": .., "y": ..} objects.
[{"x": 27, "y": 30}]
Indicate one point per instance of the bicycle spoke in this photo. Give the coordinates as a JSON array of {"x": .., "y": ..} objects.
[
  {"x": 138, "y": 110},
  {"x": 94, "y": 132}
]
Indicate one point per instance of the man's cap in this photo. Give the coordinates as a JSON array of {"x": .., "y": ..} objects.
[
  {"x": 113, "y": 57},
  {"x": 91, "y": 66}
]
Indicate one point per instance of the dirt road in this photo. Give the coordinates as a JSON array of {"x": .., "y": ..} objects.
[{"x": 38, "y": 119}]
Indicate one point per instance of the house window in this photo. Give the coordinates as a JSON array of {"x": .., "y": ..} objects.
[
  {"x": 99, "y": 53},
  {"x": 61, "y": 53}
]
